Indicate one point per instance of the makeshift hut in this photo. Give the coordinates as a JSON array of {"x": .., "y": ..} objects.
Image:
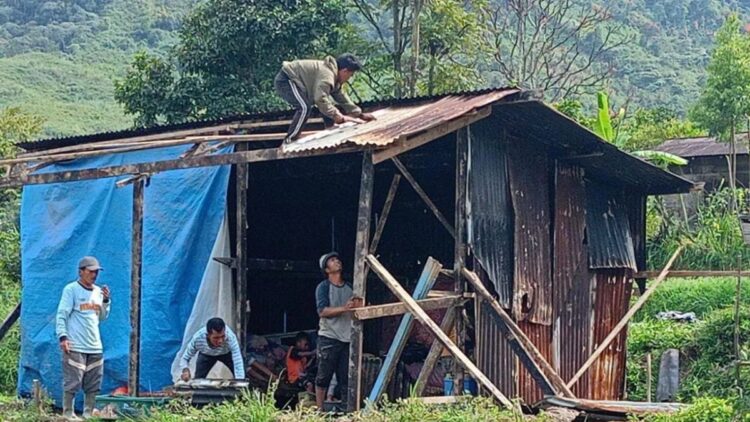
[{"x": 215, "y": 217}]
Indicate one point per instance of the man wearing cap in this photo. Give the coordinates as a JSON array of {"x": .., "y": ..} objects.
[
  {"x": 335, "y": 301},
  {"x": 82, "y": 307},
  {"x": 304, "y": 83}
]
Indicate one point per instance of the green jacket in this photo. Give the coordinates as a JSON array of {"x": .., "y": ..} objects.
[{"x": 318, "y": 80}]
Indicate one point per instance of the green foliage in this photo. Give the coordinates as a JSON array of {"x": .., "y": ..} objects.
[
  {"x": 221, "y": 66},
  {"x": 714, "y": 232},
  {"x": 603, "y": 124},
  {"x": 702, "y": 410},
  {"x": 647, "y": 128},
  {"x": 725, "y": 100}
]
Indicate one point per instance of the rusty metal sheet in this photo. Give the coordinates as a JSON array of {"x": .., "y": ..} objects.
[
  {"x": 702, "y": 146},
  {"x": 529, "y": 186},
  {"x": 608, "y": 228},
  {"x": 398, "y": 121},
  {"x": 572, "y": 282},
  {"x": 541, "y": 336},
  {"x": 612, "y": 299},
  {"x": 490, "y": 212},
  {"x": 495, "y": 358},
  {"x": 619, "y": 408}
]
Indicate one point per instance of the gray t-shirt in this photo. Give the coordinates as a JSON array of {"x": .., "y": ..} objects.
[{"x": 327, "y": 295}]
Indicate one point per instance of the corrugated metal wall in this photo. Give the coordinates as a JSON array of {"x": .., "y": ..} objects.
[
  {"x": 613, "y": 290},
  {"x": 529, "y": 188},
  {"x": 571, "y": 278},
  {"x": 490, "y": 212},
  {"x": 610, "y": 240}
]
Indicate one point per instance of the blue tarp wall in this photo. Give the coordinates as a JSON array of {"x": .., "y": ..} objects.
[{"x": 60, "y": 223}]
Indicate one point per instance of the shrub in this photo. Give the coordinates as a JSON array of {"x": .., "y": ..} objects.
[{"x": 702, "y": 410}]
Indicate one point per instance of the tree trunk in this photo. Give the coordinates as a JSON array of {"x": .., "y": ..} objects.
[
  {"x": 733, "y": 166},
  {"x": 397, "y": 48},
  {"x": 416, "y": 11}
]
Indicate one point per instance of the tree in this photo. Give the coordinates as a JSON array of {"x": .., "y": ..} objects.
[
  {"x": 446, "y": 33},
  {"x": 559, "y": 46},
  {"x": 227, "y": 56},
  {"x": 725, "y": 100}
]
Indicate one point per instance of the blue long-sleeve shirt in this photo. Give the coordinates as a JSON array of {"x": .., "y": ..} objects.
[
  {"x": 199, "y": 343},
  {"x": 78, "y": 316}
]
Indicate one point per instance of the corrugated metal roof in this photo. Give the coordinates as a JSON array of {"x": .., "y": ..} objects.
[
  {"x": 399, "y": 121},
  {"x": 263, "y": 115},
  {"x": 534, "y": 121},
  {"x": 702, "y": 146}
]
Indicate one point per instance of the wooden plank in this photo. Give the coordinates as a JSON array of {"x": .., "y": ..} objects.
[
  {"x": 681, "y": 274},
  {"x": 426, "y": 281},
  {"x": 362, "y": 242},
  {"x": 530, "y": 356},
  {"x": 422, "y": 194},
  {"x": 624, "y": 321},
  {"x": 136, "y": 258},
  {"x": 216, "y": 129},
  {"x": 459, "y": 245},
  {"x": 139, "y": 146},
  {"x": 384, "y": 214},
  {"x": 10, "y": 320},
  {"x": 436, "y": 399},
  {"x": 440, "y": 335},
  {"x": 436, "y": 349},
  {"x": 431, "y": 134},
  {"x": 392, "y": 309},
  {"x": 242, "y": 305},
  {"x": 259, "y": 155}
]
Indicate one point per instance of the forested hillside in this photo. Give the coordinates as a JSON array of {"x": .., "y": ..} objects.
[{"x": 58, "y": 58}]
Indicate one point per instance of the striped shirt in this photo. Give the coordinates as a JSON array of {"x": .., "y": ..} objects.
[{"x": 199, "y": 344}]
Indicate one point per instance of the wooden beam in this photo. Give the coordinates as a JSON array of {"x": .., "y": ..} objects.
[
  {"x": 440, "y": 335},
  {"x": 426, "y": 281},
  {"x": 392, "y": 309},
  {"x": 436, "y": 399},
  {"x": 136, "y": 258},
  {"x": 362, "y": 243},
  {"x": 624, "y": 321},
  {"x": 530, "y": 356},
  {"x": 242, "y": 305},
  {"x": 422, "y": 194},
  {"x": 429, "y": 135},
  {"x": 436, "y": 349},
  {"x": 459, "y": 246},
  {"x": 225, "y": 128},
  {"x": 681, "y": 274},
  {"x": 384, "y": 214},
  {"x": 10, "y": 320},
  {"x": 268, "y": 154},
  {"x": 139, "y": 146}
]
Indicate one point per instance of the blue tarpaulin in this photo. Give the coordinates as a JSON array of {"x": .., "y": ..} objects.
[{"x": 60, "y": 223}]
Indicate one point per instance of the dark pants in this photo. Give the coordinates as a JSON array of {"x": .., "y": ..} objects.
[
  {"x": 204, "y": 363},
  {"x": 333, "y": 357},
  {"x": 299, "y": 100}
]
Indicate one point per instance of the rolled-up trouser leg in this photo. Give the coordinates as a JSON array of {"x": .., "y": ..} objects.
[
  {"x": 74, "y": 366},
  {"x": 92, "y": 381}
]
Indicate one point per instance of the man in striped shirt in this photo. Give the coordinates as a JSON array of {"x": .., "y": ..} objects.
[{"x": 214, "y": 343}]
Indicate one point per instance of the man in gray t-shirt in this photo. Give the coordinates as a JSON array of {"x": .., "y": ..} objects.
[{"x": 335, "y": 301}]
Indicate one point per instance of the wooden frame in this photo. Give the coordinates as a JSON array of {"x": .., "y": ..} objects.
[
  {"x": 135, "y": 287},
  {"x": 10, "y": 320},
  {"x": 242, "y": 305},
  {"x": 393, "y": 309}
]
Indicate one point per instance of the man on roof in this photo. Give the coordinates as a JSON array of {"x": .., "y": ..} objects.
[{"x": 304, "y": 83}]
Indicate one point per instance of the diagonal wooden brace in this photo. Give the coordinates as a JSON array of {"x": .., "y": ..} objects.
[{"x": 443, "y": 338}]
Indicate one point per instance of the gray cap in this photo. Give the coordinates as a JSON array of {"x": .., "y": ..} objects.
[
  {"x": 90, "y": 263},
  {"x": 324, "y": 260}
]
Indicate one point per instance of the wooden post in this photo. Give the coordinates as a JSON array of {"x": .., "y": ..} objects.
[
  {"x": 136, "y": 258},
  {"x": 37, "y": 392},
  {"x": 362, "y": 244},
  {"x": 242, "y": 306},
  {"x": 440, "y": 335},
  {"x": 624, "y": 321},
  {"x": 447, "y": 326},
  {"x": 738, "y": 294},
  {"x": 459, "y": 256},
  {"x": 10, "y": 320},
  {"x": 542, "y": 372},
  {"x": 426, "y": 281},
  {"x": 384, "y": 214},
  {"x": 648, "y": 377}
]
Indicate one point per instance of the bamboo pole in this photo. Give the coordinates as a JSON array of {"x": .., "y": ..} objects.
[{"x": 625, "y": 319}]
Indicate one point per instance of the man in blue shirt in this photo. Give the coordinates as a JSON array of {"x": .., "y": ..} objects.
[
  {"x": 214, "y": 343},
  {"x": 82, "y": 307}
]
